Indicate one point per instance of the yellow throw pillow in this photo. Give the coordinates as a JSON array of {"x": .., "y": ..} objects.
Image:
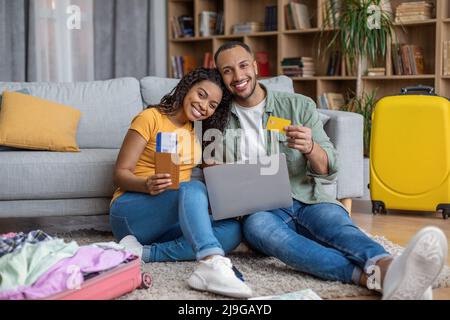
[{"x": 30, "y": 122}]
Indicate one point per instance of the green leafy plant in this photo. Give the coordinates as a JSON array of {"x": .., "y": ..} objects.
[
  {"x": 359, "y": 29},
  {"x": 363, "y": 105}
]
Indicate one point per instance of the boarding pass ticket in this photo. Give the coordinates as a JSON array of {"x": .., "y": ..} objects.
[{"x": 166, "y": 142}]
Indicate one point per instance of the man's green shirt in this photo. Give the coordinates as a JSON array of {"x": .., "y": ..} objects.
[{"x": 306, "y": 185}]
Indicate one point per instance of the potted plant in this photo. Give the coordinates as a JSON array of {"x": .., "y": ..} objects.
[
  {"x": 363, "y": 105},
  {"x": 360, "y": 30}
]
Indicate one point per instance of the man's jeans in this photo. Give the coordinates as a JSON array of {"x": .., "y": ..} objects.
[
  {"x": 318, "y": 239},
  {"x": 174, "y": 225}
]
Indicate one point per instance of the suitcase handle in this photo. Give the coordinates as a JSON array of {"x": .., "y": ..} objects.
[{"x": 427, "y": 89}]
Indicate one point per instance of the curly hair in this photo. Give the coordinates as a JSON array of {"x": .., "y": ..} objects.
[{"x": 172, "y": 102}]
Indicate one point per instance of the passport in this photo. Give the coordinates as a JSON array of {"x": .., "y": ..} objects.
[
  {"x": 166, "y": 148},
  {"x": 164, "y": 164}
]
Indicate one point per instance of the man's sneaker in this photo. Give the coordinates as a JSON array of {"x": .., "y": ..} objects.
[
  {"x": 428, "y": 295},
  {"x": 132, "y": 245},
  {"x": 411, "y": 275},
  {"x": 216, "y": 275}
]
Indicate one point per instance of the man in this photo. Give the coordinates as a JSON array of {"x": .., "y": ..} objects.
[{"x": 316, "y": 235}]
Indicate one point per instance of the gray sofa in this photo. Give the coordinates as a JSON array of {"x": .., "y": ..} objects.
[{"x": 36, "y": 183}]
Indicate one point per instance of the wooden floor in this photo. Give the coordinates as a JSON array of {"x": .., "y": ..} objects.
[{"x": 400, "y": 227}]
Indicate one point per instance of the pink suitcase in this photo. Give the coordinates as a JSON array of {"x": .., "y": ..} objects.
[{"x": 109, "y": 285}]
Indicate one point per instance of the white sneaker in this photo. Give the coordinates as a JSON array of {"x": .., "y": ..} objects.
[
  {"x": 216, "y": 275},
  {"x": 411, "y": 275},
  {"x": 428, "y": 295},
  {"x": 132, "y": 245}
]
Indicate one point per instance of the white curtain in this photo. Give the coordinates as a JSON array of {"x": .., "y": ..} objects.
[{"x": 64, "y": 40}]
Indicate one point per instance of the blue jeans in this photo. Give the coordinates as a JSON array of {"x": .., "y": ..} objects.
[
  {"x": 174, "y": 225},
  {"x": 318, "y": 239}
]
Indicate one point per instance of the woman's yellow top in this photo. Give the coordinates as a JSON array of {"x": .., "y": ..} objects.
[{"x": 148, "y": 123}]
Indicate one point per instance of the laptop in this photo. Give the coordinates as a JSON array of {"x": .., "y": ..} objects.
[{"x": 240, "y": 189}]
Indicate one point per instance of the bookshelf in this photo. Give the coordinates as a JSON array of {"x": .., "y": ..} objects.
[{"x": 283, "y": 43}]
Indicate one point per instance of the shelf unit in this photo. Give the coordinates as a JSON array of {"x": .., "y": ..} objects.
[{"x": 285, "y": 43}]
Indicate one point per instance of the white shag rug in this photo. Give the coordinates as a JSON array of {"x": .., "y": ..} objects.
[{"x": 265, "y": 275}]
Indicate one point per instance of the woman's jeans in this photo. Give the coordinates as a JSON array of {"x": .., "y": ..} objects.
[
  {"x": 174, "y": 225},
  {"x": 319, "y": 239}
]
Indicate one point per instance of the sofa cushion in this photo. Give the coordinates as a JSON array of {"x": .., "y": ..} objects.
[
  {"x": 24, "y": 91},
  {"x": 33, "y": 123},
  {"x": 33, "y": 175},
  {"x": 154, "y": 88},
  {"x": 55, "y": 207},
  {"x": 107, "y": 107},
  {"x": 279, "y": 83}
]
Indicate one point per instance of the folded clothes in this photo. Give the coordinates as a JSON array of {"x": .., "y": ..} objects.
[
  {"x": 14, "y": 241},
  {"x": 108, "y": 245},
  {"x": 69, "y": 273},
  {"x": 24, "y": 266},
  {"x": 8, "y": 235}
]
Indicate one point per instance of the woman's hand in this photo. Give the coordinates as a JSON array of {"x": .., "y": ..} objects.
[{"x": 158, "y": 183}]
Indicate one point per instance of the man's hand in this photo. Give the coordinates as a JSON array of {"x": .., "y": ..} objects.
[{"x": 299, "y": 138}]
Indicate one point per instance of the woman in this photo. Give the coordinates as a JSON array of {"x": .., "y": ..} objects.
[{"x": 160, "y": 224}]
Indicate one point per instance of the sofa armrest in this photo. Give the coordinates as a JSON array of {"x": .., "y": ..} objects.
[{"x": 345, "y": 130}]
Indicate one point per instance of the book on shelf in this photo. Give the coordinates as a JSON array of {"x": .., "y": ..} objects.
[
  {"x": 414, "y": 11},
  {"x": 419, "y": 60},
  {"x": 331, "y": 101},
  {"x": 408, "y": 59},
  {"x": 374, "y": 72},
  {"x": 262, "y": 59},
  {"x": 397, "y": 60},
  {"x": 176, "y": 31},
  {"x": 182, "y": 26},
  {"x": 288, "y": 18},
  {"x": 270, "y": 18},
  {"x": 181, "y": 65},
  {"x": 306, "y": 294},
  {"x": 446, "y": 58},
  {"x": 248, "y": 27},
  {"x": 174, "y": 67},
  {"x": 335, "y": 100},
  {"x": 220, "y": 28},
  {"x": 208, "y": 61},
  {"x": 189, "y": 64},
  {"x": 297, "y": 16},
  {"x": 334, "y": 64},
  {"x": 208, "y": 20},
  {"x": 298, "y": 67}
]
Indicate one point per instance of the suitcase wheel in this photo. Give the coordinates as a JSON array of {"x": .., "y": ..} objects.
[
  {"x": 378, "y": 207},
  {"x": 147, "y": 280},
  {"x": 445, "y": 209}
]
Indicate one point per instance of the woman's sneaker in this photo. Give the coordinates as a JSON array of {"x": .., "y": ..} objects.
[
  {"x": 216, "y": 275},
  {"x": 411, "y": 274},
  {"x": 132, "y": 245}
]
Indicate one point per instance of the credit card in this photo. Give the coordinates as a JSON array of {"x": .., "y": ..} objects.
[
  {"x": 166, "y": 142},
  {"x": 274, "y": 123}
]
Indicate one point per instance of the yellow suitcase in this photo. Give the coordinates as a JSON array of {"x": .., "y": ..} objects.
[{"x": 410, "y": 152}]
